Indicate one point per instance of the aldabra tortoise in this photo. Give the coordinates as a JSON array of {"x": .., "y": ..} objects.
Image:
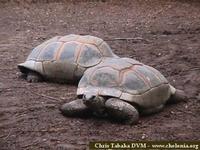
[
  {"x": 122, "y": 88},
  {"x": 64, "y": 58}
]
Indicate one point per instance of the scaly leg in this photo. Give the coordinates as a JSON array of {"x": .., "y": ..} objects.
[
  {"x": 122, "y": 111},
  {"x": 75, "y": 108},
  {"x": 33, "y": 77}
]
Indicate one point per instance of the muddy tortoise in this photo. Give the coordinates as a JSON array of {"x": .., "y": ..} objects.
[
  {"x": 64, "y": 58},
  {"x": 122, "y": 88}
]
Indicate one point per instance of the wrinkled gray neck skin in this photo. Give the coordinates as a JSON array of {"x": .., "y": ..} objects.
[{"x": 95, "y": 103}]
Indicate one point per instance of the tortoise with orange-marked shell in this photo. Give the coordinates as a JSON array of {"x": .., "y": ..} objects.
[
  {"x": 122, "y": 88},
  {"x": 64, "y": 58}
]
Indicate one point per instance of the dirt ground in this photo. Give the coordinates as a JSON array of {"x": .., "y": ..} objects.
[{"x": 162, "y": 34}]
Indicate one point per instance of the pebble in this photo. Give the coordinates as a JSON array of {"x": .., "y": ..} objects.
[
  {"x": 144, "y": 136},
  {"x": 1, "y": 87}
]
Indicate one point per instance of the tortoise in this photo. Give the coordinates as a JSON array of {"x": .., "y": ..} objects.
[
  {"x": 122, "y": 88},
  {"x": 64, "y": 58}
]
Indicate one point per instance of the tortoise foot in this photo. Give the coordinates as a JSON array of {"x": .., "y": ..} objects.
[
  {"x": 122, "y": 111},
  {"x": 74, "y": 108},
  {"x": 21, "y": 75},
  {"x": 33, "y": 77}
]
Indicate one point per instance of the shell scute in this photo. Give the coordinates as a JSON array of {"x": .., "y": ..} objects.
[
  {"x": 105, "y": 77},
  {"x": 35, "y": 52},
  {"x": 131, "y": 83},
  {"x": 49, "y": 51},
  {"x": 149, "y": 76},
  {"x": 158, "y": 74},
  {"x": 68, "y": 51},
  {"x": 89, "y": 56}
]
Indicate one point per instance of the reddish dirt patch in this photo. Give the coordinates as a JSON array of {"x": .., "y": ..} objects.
[{"x": 167, "y": 37}]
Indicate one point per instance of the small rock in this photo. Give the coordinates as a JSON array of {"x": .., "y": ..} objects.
[
  {"x": 1, "y": 87},
  {"x": 186, "y": 106},
  {"x": 172, "y": 112},
  {"x": 144, "y": 136},
  {"x": 44, "y": 140}
]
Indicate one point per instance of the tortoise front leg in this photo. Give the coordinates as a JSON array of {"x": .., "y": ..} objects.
[
  {"x": 33, "y": 77},
  {"x": 74, "y": 108},
  {"x": 122, "y": 111}
]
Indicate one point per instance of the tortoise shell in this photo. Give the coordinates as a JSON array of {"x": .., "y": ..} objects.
[
  {"x": 126, "y": 79},
  {"x": 66, "y": 57}
]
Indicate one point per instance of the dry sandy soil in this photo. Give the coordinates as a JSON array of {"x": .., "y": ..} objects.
[{"x": 165, "y": 35}]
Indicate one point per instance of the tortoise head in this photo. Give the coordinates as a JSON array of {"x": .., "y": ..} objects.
[{"x": 95, "y": 102}]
